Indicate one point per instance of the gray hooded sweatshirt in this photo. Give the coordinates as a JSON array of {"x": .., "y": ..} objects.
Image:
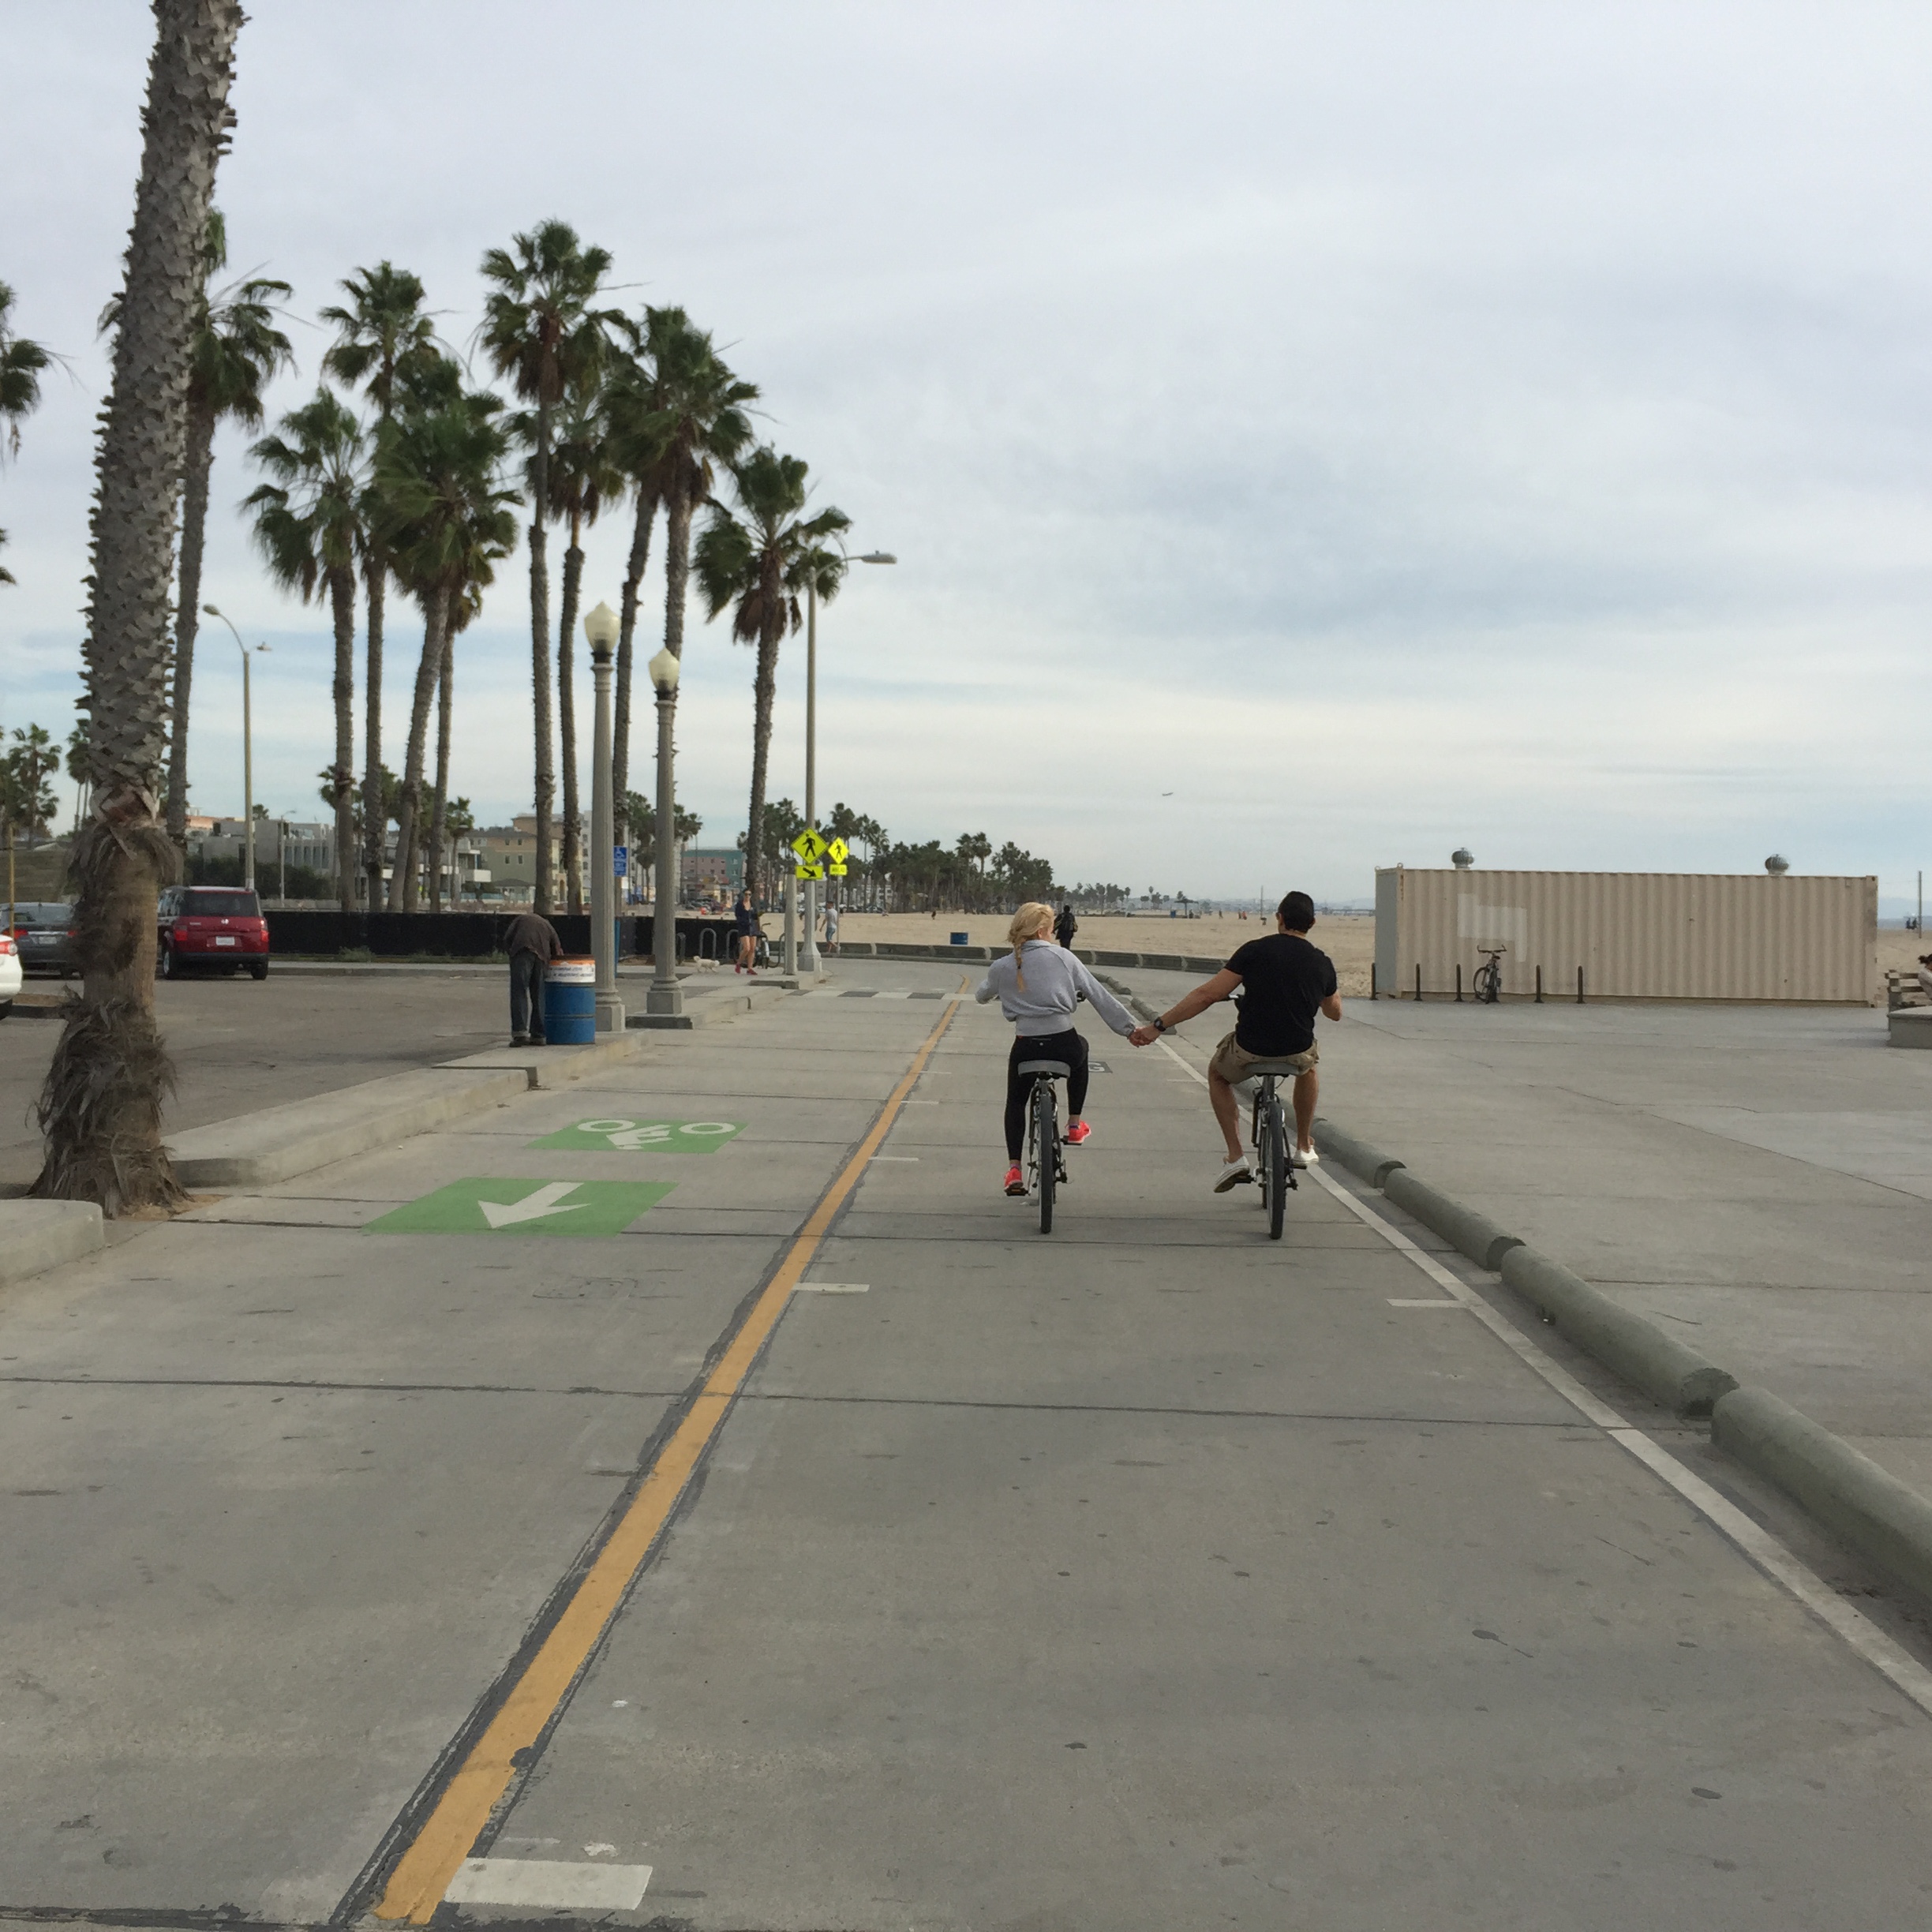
[{"x": 1045, "y": 1005}]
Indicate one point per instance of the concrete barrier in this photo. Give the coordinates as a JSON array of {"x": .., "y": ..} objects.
[
  {"x": 1871, "y": 1510},
  {"x": 255, "y": 1149},
  {"x": 1356, "y": 1156},
  {"x": 37, "y": 1235},
  {"x": 1635, "y": 1348},
  {"x": 1481, "y": 1239},
  {"x": 1909, "y": 1026}
]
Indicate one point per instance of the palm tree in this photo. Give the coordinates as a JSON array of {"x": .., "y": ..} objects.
[
  {"x": 468, "y": 605},
  {"x": 20, "y": 364},
  {"x": 760, "y": 565},
  {"x": 309, "y": 525},
  {"x": 382, "y": 337},
  {"x": 445, "y": 524},
  {"x": 541, "y": 330},
  {"x": 100, "y": 1106},
  {"x": 582, "y": 477},
  {"x": 237, "y": 350}
]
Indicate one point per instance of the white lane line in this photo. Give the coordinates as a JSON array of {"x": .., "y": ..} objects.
[
  {"x": 1428, "y": 1301},
  {"x": 548, "y": 1882},
  {"x": 1902, "y": 1670},
  {"x": 895, "y": 1157},
  {"x": 833, "y": 1288}
]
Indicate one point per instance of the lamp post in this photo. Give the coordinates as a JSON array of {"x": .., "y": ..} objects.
[
  {"x": 666, "y": 997},
  {"x": 809, "y": 961},
  {"x": 248, "y": 753},
  {"x": 600, "y": 626}
]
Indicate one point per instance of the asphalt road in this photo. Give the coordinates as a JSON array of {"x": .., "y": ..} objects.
[{"x": 1147, "y": 1575}]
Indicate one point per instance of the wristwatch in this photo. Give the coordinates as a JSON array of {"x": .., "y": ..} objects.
[{"x": 1160, "y": 1025}]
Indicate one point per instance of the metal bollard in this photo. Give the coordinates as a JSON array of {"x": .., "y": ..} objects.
[
  {"x": 1371, "y": 983},
  {"x": 1418, "y": 982},
  {"x": 1579, "y": 985},
  {"x": 1539, "y": 997},
  {"x": 1459, "y": 983}
]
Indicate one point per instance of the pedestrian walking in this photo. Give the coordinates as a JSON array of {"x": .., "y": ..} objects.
[
  {"x": 831, "y": 928},
  {"x": 532, "y": 943},
  {"x": 749, "y": 930},
  {"x": 1065, "y": 927}
]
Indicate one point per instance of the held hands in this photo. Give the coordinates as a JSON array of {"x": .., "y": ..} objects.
[{"x": 1144, "y": 1035}]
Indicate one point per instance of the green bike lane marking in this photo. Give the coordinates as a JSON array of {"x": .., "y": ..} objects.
[
  {"x": 497, "y": 1206},
  {"x": 643, "y": 1137}
]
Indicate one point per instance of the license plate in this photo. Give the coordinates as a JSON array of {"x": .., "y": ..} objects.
[
  {"x": 43, "y": 939},
  {"x": 220, "y": 941}
]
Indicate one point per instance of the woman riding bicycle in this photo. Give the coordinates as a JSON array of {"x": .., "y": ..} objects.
[{"x": 1038, "y": 985}]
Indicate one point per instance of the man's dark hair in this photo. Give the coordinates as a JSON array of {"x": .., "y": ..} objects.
[{"x": 1297, "y": 911}]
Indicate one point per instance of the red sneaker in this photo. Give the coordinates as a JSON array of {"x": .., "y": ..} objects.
[
  {"x": 1016, "y": 1181},
  {"x": 1077, "y": 1135}
]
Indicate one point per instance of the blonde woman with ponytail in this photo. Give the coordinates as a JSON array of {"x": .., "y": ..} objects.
[{"x": 1038, "y": 985}]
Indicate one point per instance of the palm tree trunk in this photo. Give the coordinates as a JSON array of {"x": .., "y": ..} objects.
[
  {"x": 446, "y": 692},
  {"x": 567, "y": 723},
  {"x": 402, "y": 879},
  {"x": 677, "y": 563},
  {"x": 342, "y": 595},
  {"x": 100, "y": 1106},
  {"x": 764, "y": 689},
  {"x": 188, "y": 608},
  {"x": 375, "y": 819},
  {"x": 544, "y": 787},
  {"x": 626, "y": 622}
]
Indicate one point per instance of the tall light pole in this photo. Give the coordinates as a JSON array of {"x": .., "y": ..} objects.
[
  {"x": 809, "y": 961},
  {"x": 666, "y": 997},
  {"x": 600, "y": 626},
  {"x": 248, "y": 753}
]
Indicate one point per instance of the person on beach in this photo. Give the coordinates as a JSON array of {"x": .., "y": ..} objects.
[
  {"x": 1038, "y": 985},
  {"x": 747, "y": 928},
  {"x": 1284, "y": 983}
]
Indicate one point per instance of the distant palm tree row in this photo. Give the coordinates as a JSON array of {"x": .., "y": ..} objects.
[{"x": 416, "y": 490}]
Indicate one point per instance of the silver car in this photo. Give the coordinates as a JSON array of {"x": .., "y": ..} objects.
[{"x": 44, "y": 934}]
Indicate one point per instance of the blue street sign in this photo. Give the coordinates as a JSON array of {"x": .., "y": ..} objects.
[{"x": 620, "y": 859}]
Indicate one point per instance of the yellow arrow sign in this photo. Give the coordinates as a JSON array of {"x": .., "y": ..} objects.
[{"x": 808, "y": 871}]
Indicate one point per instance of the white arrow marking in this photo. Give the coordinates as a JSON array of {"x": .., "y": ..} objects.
[{"x": 532, "y": 1206}]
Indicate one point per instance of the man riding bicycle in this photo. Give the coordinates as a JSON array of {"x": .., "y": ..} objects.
[
  {"x": 1038, "y": 985},
  {"x": 1285, "y": 982}
]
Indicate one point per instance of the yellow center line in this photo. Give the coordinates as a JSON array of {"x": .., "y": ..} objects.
[{"x": 422, "y": 1875}]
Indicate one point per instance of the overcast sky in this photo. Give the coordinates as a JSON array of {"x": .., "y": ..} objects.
[{"x": 1379, "y": 427}]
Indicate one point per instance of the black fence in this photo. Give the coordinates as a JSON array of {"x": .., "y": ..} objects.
[{"x": 469, "y": 935}]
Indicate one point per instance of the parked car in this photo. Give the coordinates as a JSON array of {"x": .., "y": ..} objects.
[
  {"x": 44, "y": 934},
  {"x": 10, "y": 974},
  {"x": 219, "y": 926}
]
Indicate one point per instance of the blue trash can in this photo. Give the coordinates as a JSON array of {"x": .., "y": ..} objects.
[
  {"x": 570, "y": 1002},
  {"x": 960, "y": 939}
]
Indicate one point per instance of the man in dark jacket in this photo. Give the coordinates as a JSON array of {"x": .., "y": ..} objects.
[
  {"x": 1065, "y": 927},
  {"x": 532, "y": 943}
]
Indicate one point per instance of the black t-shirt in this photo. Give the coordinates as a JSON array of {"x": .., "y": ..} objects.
[{"x": 1284, "y": 980}]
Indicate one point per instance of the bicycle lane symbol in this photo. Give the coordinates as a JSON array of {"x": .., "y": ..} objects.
[{"x": 644, "y": 1137}]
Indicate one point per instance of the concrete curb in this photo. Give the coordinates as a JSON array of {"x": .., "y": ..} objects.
[
  {"x": 1475, "y": 1234},
  {"x": 1864, "y": 1505},
  {"x": 255, "y": 1149},
  {"x": 1152, "y": 962},
  {"x": 709, "y": 1010},
  {"x": 1637, "y": 1350},
  {"x": 1359, "y": 1158},
  {"x": 37, "y": 1235}
]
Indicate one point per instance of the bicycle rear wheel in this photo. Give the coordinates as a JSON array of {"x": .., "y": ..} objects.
[
  {"x": 1276, "y": 1159},
  {"x": 1047, "y": 1143}
]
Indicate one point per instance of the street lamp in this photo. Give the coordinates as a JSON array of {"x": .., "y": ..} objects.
[
  {"x": 810, "y": 960},
  {"x": 248, "y": 752},
  {"x": 600, "y": 626},
  {"x": 666, "y": 997}
]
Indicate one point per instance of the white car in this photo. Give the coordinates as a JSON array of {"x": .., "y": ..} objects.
[{"x": 10, "y": 974}]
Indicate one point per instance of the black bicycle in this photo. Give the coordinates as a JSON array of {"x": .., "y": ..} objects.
[
  {"x": 1269, "y": 1129},
  {"x": 1045, "y": 1153},
  {"x": 1488, "y": 981}
]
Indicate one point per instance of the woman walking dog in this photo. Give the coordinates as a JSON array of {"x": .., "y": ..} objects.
[{"x": 1038, "y": 985}]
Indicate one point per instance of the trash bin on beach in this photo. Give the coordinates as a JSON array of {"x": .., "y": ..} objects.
[{"x": 570, "y": 1002}]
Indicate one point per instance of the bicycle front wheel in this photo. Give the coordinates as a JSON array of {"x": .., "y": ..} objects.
[
  {"x": 1277, "y": 1169},
  {"x": 1046, "y": 1143}
]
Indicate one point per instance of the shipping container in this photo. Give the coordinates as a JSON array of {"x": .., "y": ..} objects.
[{"x": 1631, "y": 935}]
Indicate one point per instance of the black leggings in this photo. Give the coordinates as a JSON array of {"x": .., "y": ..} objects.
[{"x": 1070, "y": 1046}]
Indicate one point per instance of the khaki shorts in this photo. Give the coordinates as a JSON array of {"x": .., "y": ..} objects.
[{"x": 1232, "y": 1060}]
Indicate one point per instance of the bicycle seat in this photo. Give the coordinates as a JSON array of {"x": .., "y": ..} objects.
[
  {"x": 1054, "y": 1069},
  {"x": 1281, "y": 1069}
]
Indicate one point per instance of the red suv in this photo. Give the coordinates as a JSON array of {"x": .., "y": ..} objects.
[{"x": 211, "y": 926}]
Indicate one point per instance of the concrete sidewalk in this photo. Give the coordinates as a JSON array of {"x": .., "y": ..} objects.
[{"x": 1147, "y": 1575}]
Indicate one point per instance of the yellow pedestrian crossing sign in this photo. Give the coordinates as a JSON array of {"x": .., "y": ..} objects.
[
  {"x": 837, "y": 852},
  {"x": 810, "y": 847}
]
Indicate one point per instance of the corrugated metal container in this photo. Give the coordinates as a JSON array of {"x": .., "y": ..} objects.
[{"x": 1635, "y": 935}]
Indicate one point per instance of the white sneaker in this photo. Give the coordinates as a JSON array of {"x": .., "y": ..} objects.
[
  {"x": 1233, "y": 1174},
  {"x": 1304, "y": 1157}
]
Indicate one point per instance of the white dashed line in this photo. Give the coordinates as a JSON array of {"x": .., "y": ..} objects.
[{"x": 548, "y": 1882}]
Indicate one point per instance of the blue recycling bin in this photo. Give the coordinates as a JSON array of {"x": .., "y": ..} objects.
[
  {"x": 959, "y": 938},
  {"x": 570, "y": 1002}
]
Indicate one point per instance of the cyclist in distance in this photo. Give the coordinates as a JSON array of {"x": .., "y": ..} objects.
[
  {"x": 1038, "y": 985},
  {"x": 1287, "y": 982}
]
